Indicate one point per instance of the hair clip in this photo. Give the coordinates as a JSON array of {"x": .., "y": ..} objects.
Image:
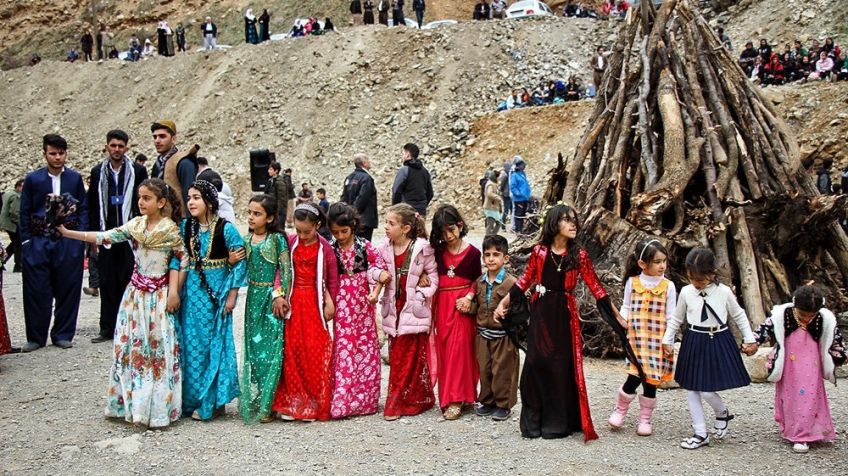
[
  {"x": 641, "y": 255},
  {"x": 309, "y": 208}
]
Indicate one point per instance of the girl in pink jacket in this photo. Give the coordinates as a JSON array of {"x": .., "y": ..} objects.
[{"x": 406, "y": 307}]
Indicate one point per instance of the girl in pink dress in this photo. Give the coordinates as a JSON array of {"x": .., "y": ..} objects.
[
  {"x": 356, "y": 351},
  {"x": 807, "y": 348},
  {"x": 459, "y": 267}
]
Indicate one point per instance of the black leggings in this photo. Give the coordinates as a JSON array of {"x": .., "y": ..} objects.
[{"x": 633, "y": 383}]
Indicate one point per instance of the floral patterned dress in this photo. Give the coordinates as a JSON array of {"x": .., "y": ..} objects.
[
  {"x": 263, "y": 331},
  {"x": 5, "y": 340},
  {"x": 145, "y": 384},
  {"x": 356, "y": 355}
]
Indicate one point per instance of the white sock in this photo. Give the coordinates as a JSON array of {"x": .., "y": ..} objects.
[
  {"x": 696, "y": 411},
  {"x": 715, "y": 401}
]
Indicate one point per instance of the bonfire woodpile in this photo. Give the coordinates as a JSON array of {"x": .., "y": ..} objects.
[{"x": 683, "y": 148}]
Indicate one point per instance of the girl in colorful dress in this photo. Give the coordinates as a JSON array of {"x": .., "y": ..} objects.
[
  {"x": 305, "y": 390},
  {"x": 649, "y": 299},
  {"x": 210, "y": 369},
  {"x": 145, "y": 385},
  {"x": 805, "y": 331},
  {"x": 5, "y": 340},
  {"x": 555, "y": 403},
  {"x": 406, "y": 308},
  {"x": 709, "y": 359},
  {"x": 356, "y": 353},
  {"x": 267, "y": 255},
  {"x": 459, "y": 266}
]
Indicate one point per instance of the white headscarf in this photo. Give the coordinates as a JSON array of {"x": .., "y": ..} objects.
[{"x": 249, "y": 14}]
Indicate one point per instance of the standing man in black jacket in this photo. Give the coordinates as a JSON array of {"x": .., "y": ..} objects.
[
  {"x": 418, "y": 6},
  {"x": 412, "y": 183},
  {"x": 112, "y": 202},
  {"x": 360, "y": 193}
]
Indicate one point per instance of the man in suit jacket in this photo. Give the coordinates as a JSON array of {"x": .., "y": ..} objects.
[
  {"x": 112, "y": 202},
  {"x": 360, "y": 193},
  {"x": 52, "y": 268}
]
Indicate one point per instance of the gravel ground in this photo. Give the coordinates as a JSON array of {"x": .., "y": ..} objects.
[{"x": 51, "y": 421}]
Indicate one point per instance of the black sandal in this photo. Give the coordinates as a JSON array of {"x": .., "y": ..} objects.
[
  {"x": 695, "y": 441},
  {"x": 721, "y": 431}
]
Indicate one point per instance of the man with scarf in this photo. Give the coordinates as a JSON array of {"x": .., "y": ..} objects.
[
  {"x": 112, "y": 202},
  {"x": 177, "y": 169}
]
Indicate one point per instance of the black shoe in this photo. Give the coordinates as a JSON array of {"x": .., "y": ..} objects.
[
  {"x": 63, "y": 344},
  {"x": 501, "y": 414},
  {"x": 16, "y": 269},
  {"x": 100, "y": 338},
  {"x": 485, "y": 410},
  {"x": 30, "y": 346}
]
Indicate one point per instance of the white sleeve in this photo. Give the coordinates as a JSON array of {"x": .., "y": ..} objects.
[
  {"x": 670, "y": 301},
  {"x": 735, "y": 312},
  {"x": 672, "y": 324},
  {"x": 625, "y": 305}
]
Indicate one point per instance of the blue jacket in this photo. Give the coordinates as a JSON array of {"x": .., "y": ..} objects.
[
  {"x": 519, "y": 188},
  {"x": 37, "y": 185}
]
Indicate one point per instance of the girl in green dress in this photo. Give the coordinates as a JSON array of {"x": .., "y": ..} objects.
[{"x": 268, "y": 277}]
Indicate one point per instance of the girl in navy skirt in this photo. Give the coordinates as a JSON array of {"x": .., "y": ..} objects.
[{"x": 709, "y": 359}]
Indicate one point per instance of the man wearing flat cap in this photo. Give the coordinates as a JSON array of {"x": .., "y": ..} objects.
[{"x": 178, "y": 169}]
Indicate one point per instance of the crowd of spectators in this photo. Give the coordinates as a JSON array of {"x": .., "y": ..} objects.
[
  {"x": 767, "y": 64},
  {"x": 608, "y": 9},
  {"x": 546, "y": 93}
]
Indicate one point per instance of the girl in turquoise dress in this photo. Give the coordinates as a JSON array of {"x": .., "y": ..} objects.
[
  {"x": 266, "y": 307},
  {"x": 210, "y": 369},
  {"x": 145, "y": 387}
]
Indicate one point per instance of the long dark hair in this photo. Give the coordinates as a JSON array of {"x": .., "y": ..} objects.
[
  {"x": 646, "y": 250},
  {"x": 445, "y": 216},
  {"x": 342, "y": 214},
  {"x": 160, "y": 189},
  {"x": 269, "y": 204},
  {"x": 550, "y": 230},
  {"x": 210, "y": 197},
  {"x": 408, "y": 216}
]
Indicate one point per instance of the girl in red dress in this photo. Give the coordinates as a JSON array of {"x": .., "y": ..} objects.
[
  {"x": 5, "y": 340},
  {"x": 459, "y": 268},
  {"x": 306, "y": 386},
  {"x": 406, "y": 308}
]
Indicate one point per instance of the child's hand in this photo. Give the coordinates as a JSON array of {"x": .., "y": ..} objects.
[
  {"x": 62, "y": 230},
  {"x": 230, "y": 304},
  {"x": 373, "y": 296},
  {"x": 236, "y": 256},
  {"x": 329, "y": 310},
  {"x": 173, "y": 303},
  {"x": 280, "y": 307},
  {"x": 750, "y": 349},
  {"x": 385, "y": 277},
  {"x": 463, "y": 305},
  {"x": 424, "y": 281},
  {"x": 668, "y": 350}
]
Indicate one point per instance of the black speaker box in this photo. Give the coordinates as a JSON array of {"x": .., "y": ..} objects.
[{"x": 260, "y": 160}]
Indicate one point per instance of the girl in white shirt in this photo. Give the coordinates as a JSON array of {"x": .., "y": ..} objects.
[{"x": 709, "y": 359}]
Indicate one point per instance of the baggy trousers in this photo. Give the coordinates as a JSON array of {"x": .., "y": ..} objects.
[{"x": 116, "y": 267}]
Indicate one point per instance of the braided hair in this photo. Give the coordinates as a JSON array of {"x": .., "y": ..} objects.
[{"x": 209, "y": 194}]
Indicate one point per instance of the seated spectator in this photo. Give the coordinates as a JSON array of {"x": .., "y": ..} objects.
[
  {"x": 764, "y": 50},
  {"x": 297, "y": 29},
  {"x": 842, "y": 72},
  {"x": 560, "y": 89},
  {"x": 798, "y": 51},
  {"x": 512, "y": 102},
  {"x": 113, "y": 53},
  {"x": 622, "y": 7},
  {"x": 746, "y": 59},
  {"x": 832, "y": 49},
  {"x": 806, "y": 68},
  {"x": 572, "y": 93},
  {"x": 570, "y": 9},
  {"x": 525, "y": 97},
  {"x": 72, "y": 55},
  {"x": 815, "y": 49},
  {"x": 724, "y": 39},
  {"x": 773, "y": 71},
  {"x": 757, "y": 72},
  {"x": 498, "y": 8},
  {"x": 539, "y": 95},
  {"x": 135, "y": 49},
  {"x": 482, "y": 11},
  {"x": 35, "y": 59},
  {"x": 148, "y": 50},
  {"x": 606, "y": 9},
  {"x": 824, "y": 66},
  {"x": 790, "y": 68},
  {"x": 328, "y": 25}
]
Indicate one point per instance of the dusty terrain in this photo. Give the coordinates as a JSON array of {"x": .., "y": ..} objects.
[{"x": 51, "y": 421}]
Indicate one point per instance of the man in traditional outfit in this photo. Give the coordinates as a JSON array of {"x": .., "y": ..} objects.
[
  {"x": 52, "y": 266},
  {"x": 112, "y": 201},
  {"x": 177, "y": 169}
]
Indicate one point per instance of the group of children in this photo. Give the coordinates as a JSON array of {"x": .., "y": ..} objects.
[{"x": 311, "y": 350}]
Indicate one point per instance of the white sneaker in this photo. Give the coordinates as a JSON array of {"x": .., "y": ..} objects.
[
  {"x": 800, "y": 448},
  {"x": 285, "y": 417}
]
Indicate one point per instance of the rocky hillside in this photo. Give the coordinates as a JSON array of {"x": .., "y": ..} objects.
[
  {"x": 315, "y": 101},
  {"x": 782, "y": 21}
]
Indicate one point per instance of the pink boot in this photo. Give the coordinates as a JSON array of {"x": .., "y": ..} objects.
[
  {"x": 646, "y": 411},
  {"x": 622, "y": 404}
]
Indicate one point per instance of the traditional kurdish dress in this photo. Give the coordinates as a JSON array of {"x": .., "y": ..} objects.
[
  {"x": 145, "y": 385},
  {"x": 455, "y": 332},
  {"x": 803, "y": 358},
  {"x": 263, "y": 331},
  {"x": 210, "y": 369},
  {"x": 648, "y": 302},
  {"x": 356, "y": 355},
  {"x": 554, "y": 399},
  {"x": 306, "y": 388},
  {"x": 5, "y": 340}
]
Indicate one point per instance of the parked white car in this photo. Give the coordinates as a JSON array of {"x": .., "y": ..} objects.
[
  {"x": 438, "y": 24},
  {"x": 407, "y": 21},
  {"x": 529, "y": 8}
]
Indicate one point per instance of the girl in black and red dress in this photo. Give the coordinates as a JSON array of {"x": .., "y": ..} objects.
[{"x": 554, "y": 400}]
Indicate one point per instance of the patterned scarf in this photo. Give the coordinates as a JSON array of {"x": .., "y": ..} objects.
[
  {"x": 159, "y": 166},
  {"x": 126, "y": 191}
]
